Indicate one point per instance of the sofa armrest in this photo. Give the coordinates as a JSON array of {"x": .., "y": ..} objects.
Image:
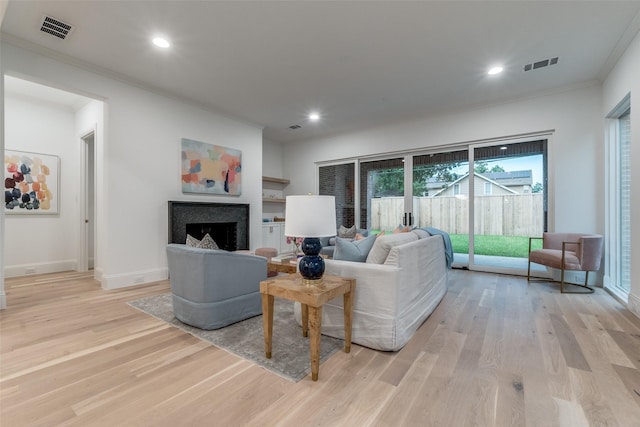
[{"x": 376, "y": 284}]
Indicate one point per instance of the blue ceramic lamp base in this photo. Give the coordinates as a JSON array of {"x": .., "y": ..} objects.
[{"x": 311, "y": 265}]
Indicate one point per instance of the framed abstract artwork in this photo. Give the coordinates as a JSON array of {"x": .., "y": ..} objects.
[
  {"x": 31, "y": 183},
  {"x": 212, "y": 169}
]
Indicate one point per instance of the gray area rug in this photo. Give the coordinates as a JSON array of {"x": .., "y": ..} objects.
[{"x": 290, "y": 350}]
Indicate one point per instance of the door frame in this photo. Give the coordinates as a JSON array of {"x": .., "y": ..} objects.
[{"x": 83, "y": 247}]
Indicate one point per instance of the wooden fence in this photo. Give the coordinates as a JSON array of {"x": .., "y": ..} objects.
[{"x": 506, "y": 215}]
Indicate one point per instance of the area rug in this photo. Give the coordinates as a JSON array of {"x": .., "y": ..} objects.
[{"x": 290, "y": 350}]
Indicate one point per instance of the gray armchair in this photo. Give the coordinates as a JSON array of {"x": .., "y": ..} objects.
[
  {"x": 568, "y": 251},
  {"x": 214, "y": 288}
]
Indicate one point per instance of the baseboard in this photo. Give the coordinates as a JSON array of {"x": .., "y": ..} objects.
[
  {"x": 40, "y": 268},
  {"x": 634, "y": 304},
  {"x": 115, "y": 281}
]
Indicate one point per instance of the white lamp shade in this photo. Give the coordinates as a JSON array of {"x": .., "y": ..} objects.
[{"x": 310, "y": 216}]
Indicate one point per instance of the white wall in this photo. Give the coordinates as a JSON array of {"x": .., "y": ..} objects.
[
  {"x": 141, "y": 159},
  {"x": 575, "y": 148},
  {"x": 43, "y": 243},
  {"x": 272, "y": 153},
  {"x": 624, "y": 79}
]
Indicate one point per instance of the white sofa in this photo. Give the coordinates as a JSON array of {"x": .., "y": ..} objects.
[{"x": 394, "y": 294}]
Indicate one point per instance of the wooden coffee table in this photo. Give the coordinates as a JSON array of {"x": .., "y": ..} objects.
[
  {"x": 282, "y": 266},
  {"x": 311, "y": 298}
]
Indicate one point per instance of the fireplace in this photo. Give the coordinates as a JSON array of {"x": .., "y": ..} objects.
[
  {"x": 223, "y": 233},
  {"x": 226, "y": 223}
]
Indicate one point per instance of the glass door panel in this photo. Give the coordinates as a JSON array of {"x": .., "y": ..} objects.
[
  {"x": 509, "y": 187},
  {"x": 339, "y": 181},
  {"x": 382, "y": 194},
  {"x": 439, "y": 201}
]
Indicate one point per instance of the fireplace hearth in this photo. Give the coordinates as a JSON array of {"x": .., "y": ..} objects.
[{"x": 226, "y": 223}]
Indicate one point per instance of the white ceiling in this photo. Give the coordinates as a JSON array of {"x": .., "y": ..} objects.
[{"x": 359, "y": 63}]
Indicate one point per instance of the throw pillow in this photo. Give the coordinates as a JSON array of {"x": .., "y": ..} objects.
[
  {"x": 192, "y": 241},
  {"x": 347, "y": 233},
  {"x": 353, "y": 250},
  {"x": 401, "y": 229},
  {"x": 383, "y": 246},
  {"x": 207, "y": 243}
]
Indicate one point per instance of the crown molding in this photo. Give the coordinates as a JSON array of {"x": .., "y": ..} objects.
[{"x": 621, "y": 46}]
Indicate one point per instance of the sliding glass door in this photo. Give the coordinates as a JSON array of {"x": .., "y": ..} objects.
[
  {"x": 339, "y": 181},
  {"x": 489, "y": 198},
  {"x": 509, "y": 203},
  {"x": 382, "y": 194},
  {"x": 439, "y": 201}
]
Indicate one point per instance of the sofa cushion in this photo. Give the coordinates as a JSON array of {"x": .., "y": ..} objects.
[
  {"x": 420, "y": 233},
  {"x": 347, "y": 233},
  {"x": 383, "y": 244},
  {"x": 353, "y": 250}
]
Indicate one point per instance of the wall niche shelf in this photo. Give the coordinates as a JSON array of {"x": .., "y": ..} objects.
[
  {"x": 276, "y": 184},
  {"x": 275, "y": 180}
]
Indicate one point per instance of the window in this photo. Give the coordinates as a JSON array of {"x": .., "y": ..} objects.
[
  {"x": 487, "y": 188},
  {"x": 618, "y": 199},
  {"x": 624, "y": 229},
  {"x": 456, "y": 189}
]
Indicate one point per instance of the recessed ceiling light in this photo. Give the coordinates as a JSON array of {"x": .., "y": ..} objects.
[
  {"x": 161, "y": 42},
  {"x": 314, "y": 117},
  {"x": 495, "y": 70}
]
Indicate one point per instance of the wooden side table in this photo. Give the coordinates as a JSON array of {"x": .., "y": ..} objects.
[
  {"x": 311, "y": 298},
  {"x": 282, "y": 267}
]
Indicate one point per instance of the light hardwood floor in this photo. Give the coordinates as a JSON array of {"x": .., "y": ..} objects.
[{"x": 496, "y": 352}]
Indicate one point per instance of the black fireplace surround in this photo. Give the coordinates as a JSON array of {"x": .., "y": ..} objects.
[{"x": 226, "y": 223}]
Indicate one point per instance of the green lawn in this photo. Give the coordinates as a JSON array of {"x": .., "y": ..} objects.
[{"x": 511, "y": 246}]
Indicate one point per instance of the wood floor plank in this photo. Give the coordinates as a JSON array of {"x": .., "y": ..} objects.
[
  {"x": 568, "y": 343},
  {"x": 497, "y": 351}
]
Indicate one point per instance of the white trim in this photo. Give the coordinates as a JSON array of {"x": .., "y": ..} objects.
[
  {"x": 115, "y": 281},
  {"x": 21, "y": 270},
  {"x": 634, "y": 304}
]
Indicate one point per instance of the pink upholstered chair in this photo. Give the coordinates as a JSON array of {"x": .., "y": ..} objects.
[{"x": 568, "y": 251}]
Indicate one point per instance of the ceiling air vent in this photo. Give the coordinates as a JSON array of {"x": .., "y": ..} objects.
[
  {"x": 294, "y": 127},
  {"x": 56, "y": 27},
  {"x": 541, "y": 64}
]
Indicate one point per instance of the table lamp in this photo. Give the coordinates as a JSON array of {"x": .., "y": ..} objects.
[{"x": 310, "y": 217}]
